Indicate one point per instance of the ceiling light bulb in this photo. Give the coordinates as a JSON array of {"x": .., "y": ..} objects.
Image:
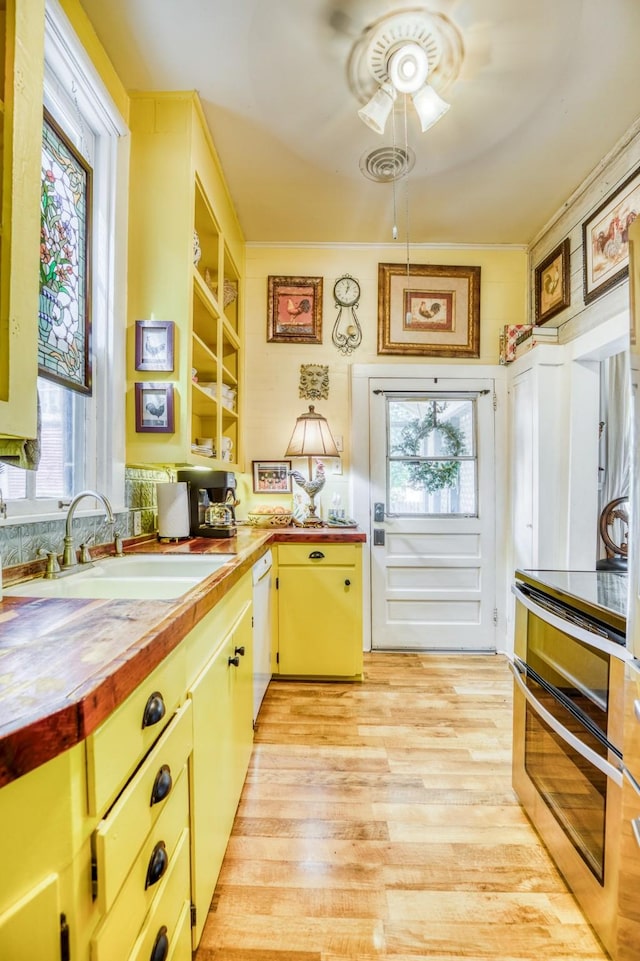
[
  {"x": 408, "y": 68},
  {"x": 429, "y": 106},
  {"x": 376, "y": 113}
]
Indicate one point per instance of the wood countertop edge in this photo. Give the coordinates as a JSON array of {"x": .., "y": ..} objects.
[{"x": 65, "y": 723}]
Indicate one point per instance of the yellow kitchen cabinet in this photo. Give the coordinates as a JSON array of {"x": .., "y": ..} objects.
[
  {"x": 21, "y": 91},
  {"x": 32, "y": 928},
  {"x": 319, "y": 610},
  {"x": 37, "y": 813},
  {"x": 186, "y": 265},
  {"x": 222, "y": 739}
]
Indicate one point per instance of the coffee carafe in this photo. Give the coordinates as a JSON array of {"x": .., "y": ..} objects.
[{"x": 212, "y": 502}]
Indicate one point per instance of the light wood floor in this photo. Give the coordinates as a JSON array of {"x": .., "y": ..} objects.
[{"x": 378, "y": 822}]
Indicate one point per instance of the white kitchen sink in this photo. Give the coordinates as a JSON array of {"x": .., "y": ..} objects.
[{"x": 134, "y": 577}]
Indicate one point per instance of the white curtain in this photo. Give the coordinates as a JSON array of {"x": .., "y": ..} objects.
[{"x": 617, "y": 427}]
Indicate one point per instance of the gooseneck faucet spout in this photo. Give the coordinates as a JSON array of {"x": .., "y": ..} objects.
[{"x": 68, "y": 555}]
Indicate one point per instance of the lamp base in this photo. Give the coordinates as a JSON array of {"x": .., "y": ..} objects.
[{"x": 312, "y": 520}]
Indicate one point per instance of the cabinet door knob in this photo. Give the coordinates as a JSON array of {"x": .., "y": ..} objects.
[
  {"x": 240, "y": 651},
  {"x": 162, "y": 785},
  {"x": 160, "y": 948},
  {"x": 235, "y": 661},
  {"x": 154, "y": 710},
  {"x": 347, "y": 582},
  {"x": 158, "y": 863},
  {"x": 316, "y": 556}
]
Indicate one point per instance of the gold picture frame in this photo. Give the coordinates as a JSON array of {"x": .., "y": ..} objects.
[
  {"x": 294, "y": 310},
  {"x": 552, "y": 283},
  {"x": 429, "y": 309}
]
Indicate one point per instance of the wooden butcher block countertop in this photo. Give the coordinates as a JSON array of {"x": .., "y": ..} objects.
[{"x": 67, "y": 663}]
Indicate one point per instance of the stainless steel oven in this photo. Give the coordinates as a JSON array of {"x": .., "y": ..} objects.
[{"x": 568, "y": 667}]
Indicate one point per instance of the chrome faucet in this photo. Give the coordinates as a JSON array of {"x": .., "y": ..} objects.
[{"x": 68, "y": 555}]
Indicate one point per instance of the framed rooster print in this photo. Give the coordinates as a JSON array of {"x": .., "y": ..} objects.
[
  {"x": 154, "y": 408},
  {"x": 552, "y": 283},
  {"x": 154, "y": 345},
  {"x": 429, "y": 309},
  {"x": 294, "y": 310}
]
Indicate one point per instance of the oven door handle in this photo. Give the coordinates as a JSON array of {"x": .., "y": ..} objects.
[
  {"x": 570, "y": 627},
  {"x": 583, "y": 750}
]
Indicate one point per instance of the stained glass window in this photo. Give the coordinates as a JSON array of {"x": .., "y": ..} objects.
[{"x": 63, "y": 313}]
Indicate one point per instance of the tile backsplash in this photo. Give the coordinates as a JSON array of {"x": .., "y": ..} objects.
[{"x": 20, "y": 542}]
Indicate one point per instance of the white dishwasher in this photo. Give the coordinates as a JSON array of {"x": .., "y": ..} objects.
[{"x": 261, "y": 629}]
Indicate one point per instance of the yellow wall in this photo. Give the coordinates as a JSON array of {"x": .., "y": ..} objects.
[
  {"x": 87, "y": 36},
  {"x": 272, "y": 400}
]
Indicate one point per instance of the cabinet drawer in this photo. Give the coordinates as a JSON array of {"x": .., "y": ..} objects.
[
  {"x": 332, "y": 554},
  {"x": 119, "y": 836},
  {"x": 167, "y": 912},
  {"x": 117, "y": 933},
  {"x": 115, "y": 749}
]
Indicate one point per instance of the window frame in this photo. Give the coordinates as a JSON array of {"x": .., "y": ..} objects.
[{"x": 78, "y": 100}]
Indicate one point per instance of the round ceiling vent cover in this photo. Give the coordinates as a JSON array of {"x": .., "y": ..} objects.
[{"x": 386, "y": 164}]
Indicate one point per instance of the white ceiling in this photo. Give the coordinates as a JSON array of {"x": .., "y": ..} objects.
[{"x": 547, "y": 88}]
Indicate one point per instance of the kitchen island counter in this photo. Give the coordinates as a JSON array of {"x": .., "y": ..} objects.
[{"x": 67, "y": 663}]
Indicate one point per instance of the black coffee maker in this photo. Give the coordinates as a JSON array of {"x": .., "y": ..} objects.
[{"x": 212, "y": 502}]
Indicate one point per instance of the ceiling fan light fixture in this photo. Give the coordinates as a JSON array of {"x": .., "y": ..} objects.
[
  {"x": 376, "y": 112},
  {"x": 408, "y": 68},
  {"x": 429, "y": 106}
]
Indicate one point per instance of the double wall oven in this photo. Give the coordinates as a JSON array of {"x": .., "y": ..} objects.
[{"x": 569, "y": 667}]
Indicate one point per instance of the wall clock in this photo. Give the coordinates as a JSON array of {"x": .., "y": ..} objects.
[{"x": 346, "y": 293}]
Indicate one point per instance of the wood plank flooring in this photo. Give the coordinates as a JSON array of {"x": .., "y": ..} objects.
[{"x": 378, "y": 822}]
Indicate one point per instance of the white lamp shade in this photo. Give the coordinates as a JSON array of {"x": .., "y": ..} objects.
[
  {"x": 408, "y": 68},
  {"x": 311, "y": 437},
  {"x": 429, "y": 106},
  {"x": 376, "y": 113}
]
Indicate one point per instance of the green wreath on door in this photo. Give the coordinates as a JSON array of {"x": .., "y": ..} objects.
[{"x": 432, "y": 476}]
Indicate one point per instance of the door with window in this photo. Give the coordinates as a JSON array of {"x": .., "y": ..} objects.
[{"x": 433, "y": 515}]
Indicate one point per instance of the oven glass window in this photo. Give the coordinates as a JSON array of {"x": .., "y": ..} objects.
[
  {"x": 573, "y": 789},
  {"x": 577, "y": 671}
]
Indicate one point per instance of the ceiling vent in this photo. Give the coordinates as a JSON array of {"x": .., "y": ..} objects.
[{"x": 386, "y": 164}]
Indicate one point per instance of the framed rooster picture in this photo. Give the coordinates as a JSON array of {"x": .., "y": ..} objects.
[
  {"x": 294, "y": 310},
  {"x": 154, "y": 345},
  {"x": 154, "y": 408}
]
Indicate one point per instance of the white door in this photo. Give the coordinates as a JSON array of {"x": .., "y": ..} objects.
[{"x": 433, "y": 510}]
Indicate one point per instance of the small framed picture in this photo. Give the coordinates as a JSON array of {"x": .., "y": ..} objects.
[
  {"x": 294, "y": 310},
  {"x": 271, "y": 476},
  {"x": 552, "y": 282},
  {"x": 154, "y": 408},
  {"x": 154, "y": 344}
]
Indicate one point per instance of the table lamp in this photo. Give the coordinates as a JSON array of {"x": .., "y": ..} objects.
[{"x": 311, "y": 438}]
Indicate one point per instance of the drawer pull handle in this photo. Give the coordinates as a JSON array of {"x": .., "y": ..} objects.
[
  {"x": 160, "y": 948},
  {"x": 240, "y": 651},
  {"x": 316, "y": 556},
  {"x": 154, "y": 710},
  {"x": 347, "y": 582},
  {"x": 158, "y": 863},
  {"x": 235, "y": 661},
  {"x": 162, "y": 785}
]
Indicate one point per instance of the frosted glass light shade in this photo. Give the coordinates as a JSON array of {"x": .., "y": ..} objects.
[
  {"x": 311, "y": 437},
  {"x": 408, "y": 68},
  {"x": 376, "y": 113},
  {"x": 429, "y": 106}
]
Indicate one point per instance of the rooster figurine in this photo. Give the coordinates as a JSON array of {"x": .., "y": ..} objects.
[{"x": 311, "y": 487}]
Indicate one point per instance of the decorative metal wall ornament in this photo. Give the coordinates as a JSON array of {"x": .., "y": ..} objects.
[
  {"x": 346, "y": 293},
  {"x": 314, "y": 381}
]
